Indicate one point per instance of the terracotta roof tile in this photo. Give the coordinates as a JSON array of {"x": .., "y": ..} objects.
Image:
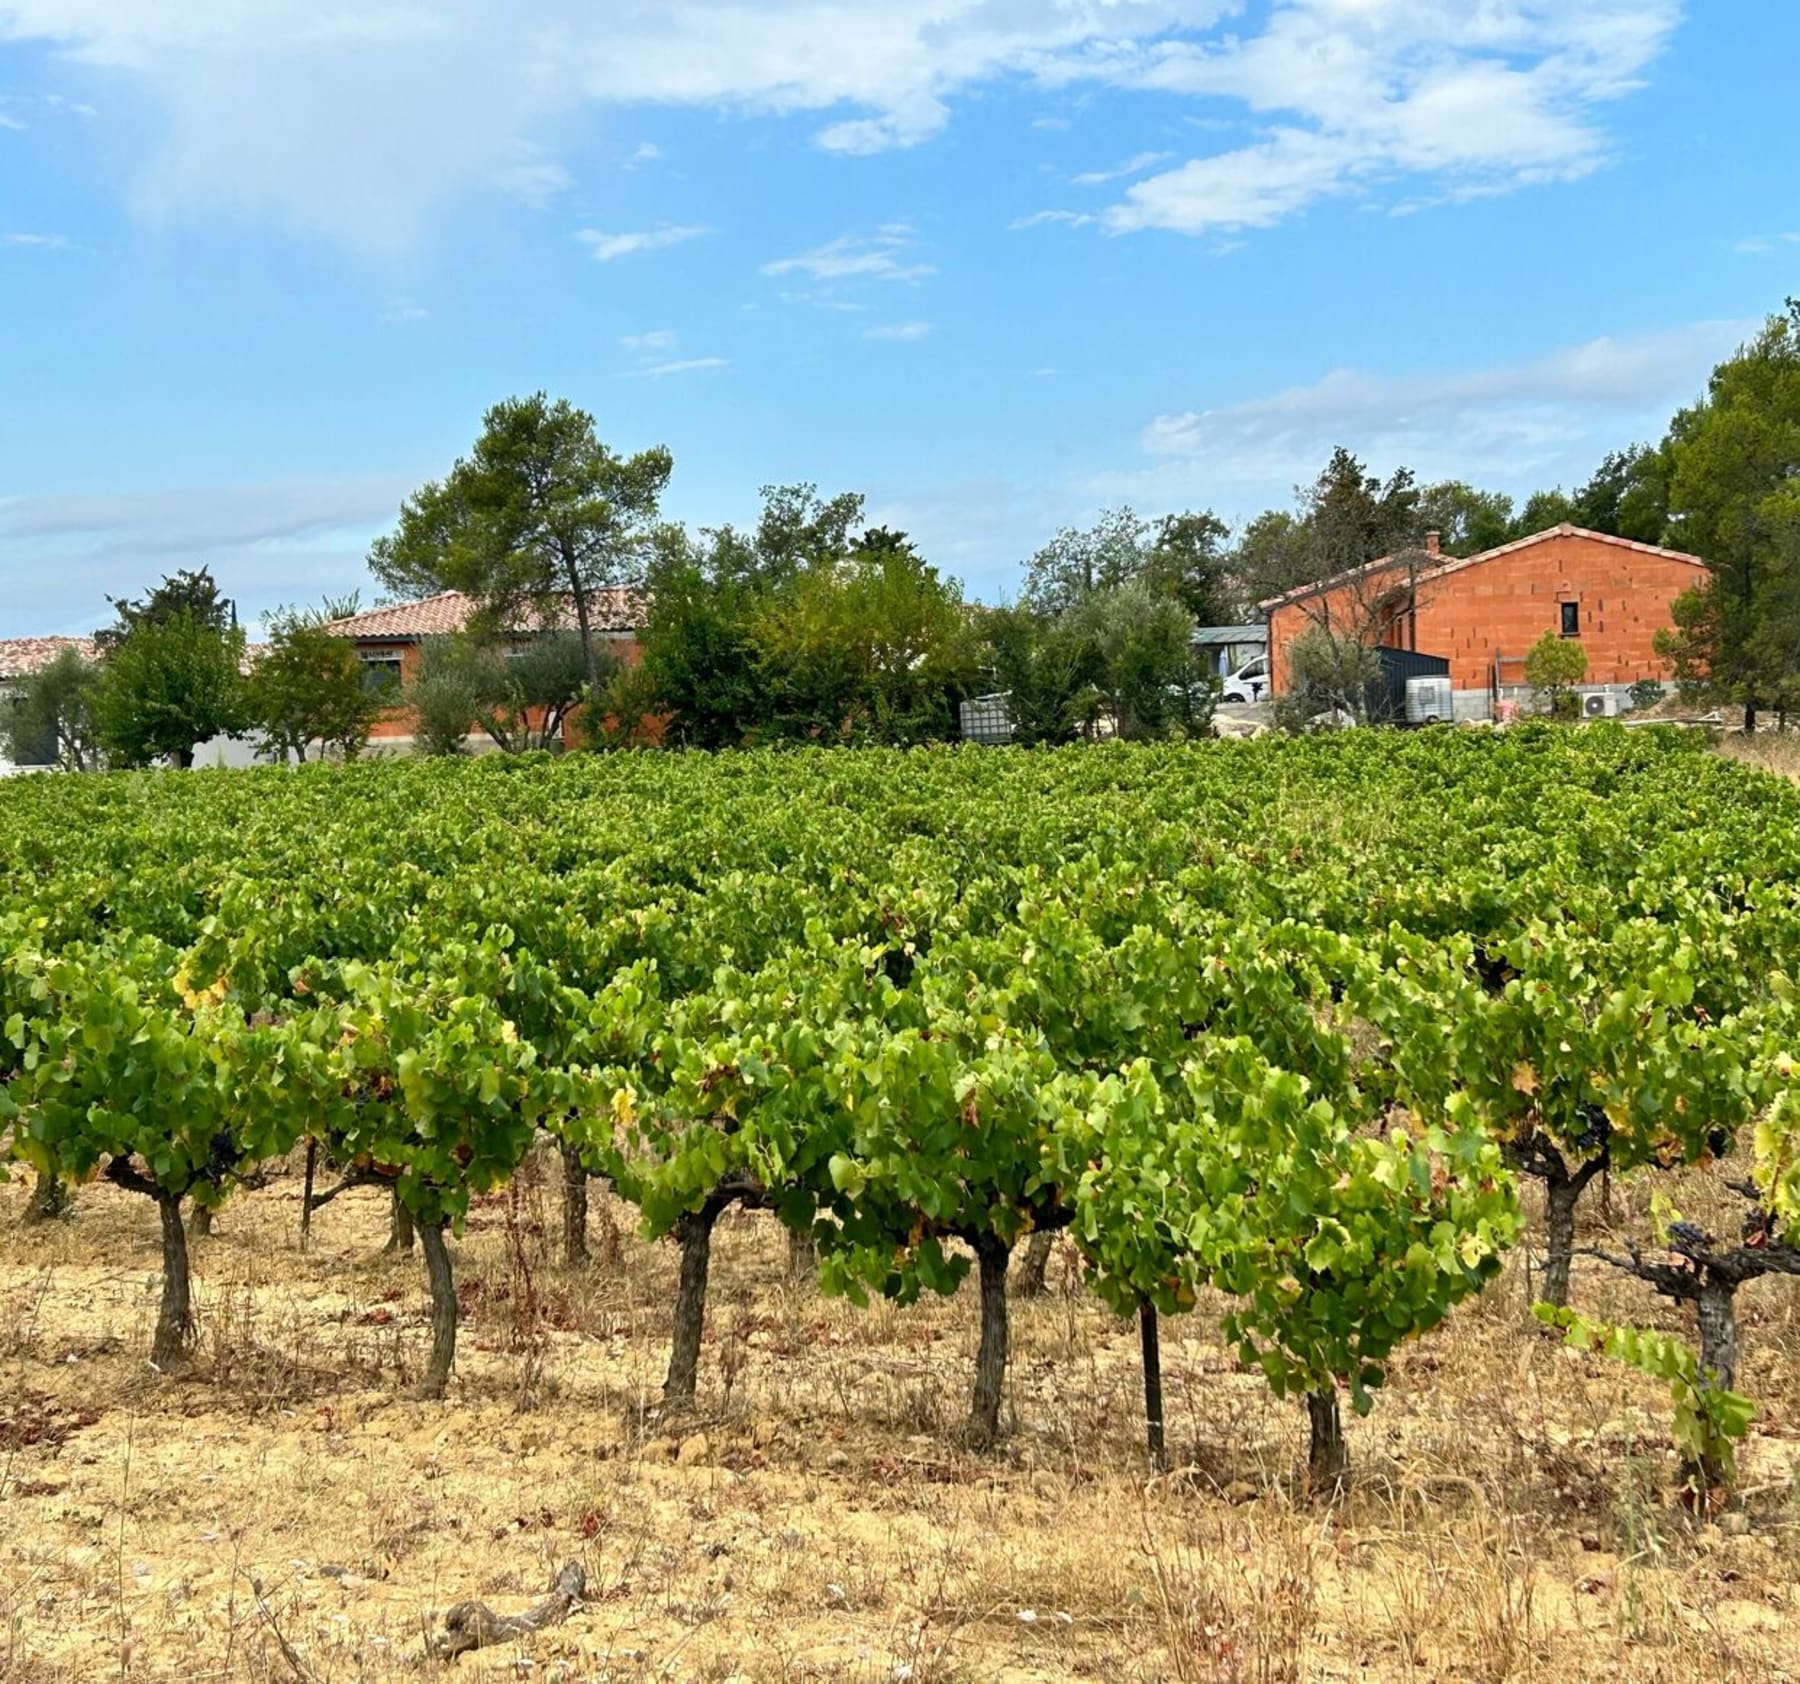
[
  {"x": 20, "y": 657},
  {"x": 615, "y": 610}
]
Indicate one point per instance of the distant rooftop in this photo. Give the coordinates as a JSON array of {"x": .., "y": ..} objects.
[{"x": 615, "y": 610}]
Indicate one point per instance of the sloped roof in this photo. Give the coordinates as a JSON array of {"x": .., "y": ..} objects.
[
  {"x": 20, "y": 657},
  {"x": 619, "y": 609},
  {"x": 1455, "y": 564}
]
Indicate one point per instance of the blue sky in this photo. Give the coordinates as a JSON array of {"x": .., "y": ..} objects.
[{"x": 996, "y": 263}]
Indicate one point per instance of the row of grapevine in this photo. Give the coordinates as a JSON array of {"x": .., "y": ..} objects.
[{"x": 1282, "y": 1021}]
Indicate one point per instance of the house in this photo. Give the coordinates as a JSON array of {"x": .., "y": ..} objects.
[
  {"x": 390, "y": 641},
  {"x": 1484, "y": 612},
  {"x": 20, "y": 658}
]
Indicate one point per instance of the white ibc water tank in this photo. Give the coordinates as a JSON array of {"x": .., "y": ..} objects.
[{"x": 1429, "y": 700}]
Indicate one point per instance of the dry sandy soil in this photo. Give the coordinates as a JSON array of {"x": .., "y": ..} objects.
[{"x": 278, "y": 1511}]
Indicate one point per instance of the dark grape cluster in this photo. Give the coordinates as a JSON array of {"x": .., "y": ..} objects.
[
  {"x": 1688, "y": 1236},
  {"x": 1596, "y": 1130}
]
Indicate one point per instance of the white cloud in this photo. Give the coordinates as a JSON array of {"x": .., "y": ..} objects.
[
  {"x": 662, "y": 339},
  {"x": 1041, "y": 219},
  {"x": 1512, "y": 427},
  {"x": 881, "y": 256},
  {"x": 607, "y": 247},
  {"x": 1757, "y": 244},
  {"x": 38, "y": 242},
  {"x": 264, "y": 105},
  {"x": 685, "y": 365},
  {"x": 1132, "y": 166},
  {"x": 1453, "y": 98},
  {"x": 900, "y": 331},
  {"x": 405, "y": 312},
  {"x": 18, "y": 125},
  {"x": 531, "y": 177},
  {"x": 647, "y": 152}
]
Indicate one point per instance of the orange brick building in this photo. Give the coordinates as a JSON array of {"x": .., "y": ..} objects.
[
  {"x": 390, "y": 641},
  {"x": 1483, "y": 612}
]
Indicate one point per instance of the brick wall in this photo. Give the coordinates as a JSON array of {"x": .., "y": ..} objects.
[{"x": 1504, "y": 602}]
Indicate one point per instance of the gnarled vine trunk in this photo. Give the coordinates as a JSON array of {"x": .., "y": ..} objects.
[
  {"x": 694, "y": 1234},
  {"x": 1715, "y": 1307},
  {"x": 401, "y": 1228},
  {"x": 802, "y": 1254},
  {"x": 1034, "y": 1266},
  {"x": 1151, "y": 1342},
  {"x": 574, "y": 1207},
  {"x": 50, "y": 1200},
  {"x": 200, "y": 1223},
  {"x": 1562, "y": 1192},
  {"x": 992, "y": 1256},
  {"x": 438, "y": 1277},
  {"x": 175, "y": 1317},
  {"x": 1327, "y": 1455},
  {"x": 306, "y": 1192}
]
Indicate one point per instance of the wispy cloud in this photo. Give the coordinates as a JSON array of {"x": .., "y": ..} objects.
[
  {"x": 536, "y": 180},
  {"x": 1132, "y": 166},
  {"x": 17, "y": 124},
  {"x": 661, "y": 339},
  {"x": 1043, "y": 218},
  {"x": 1757, "y": 244},
  {"x": 1450, "y": 100},
  {"x": 403, "y": 311},
  {"x": 1511, "y": 426},
  {"x": 266, "y": 543},
  {"x": 882, "y": 256},
  {"x": 683, "y": 365},
  {"x": 39, "y": 242},
  {"x": 609, "y": 247},
  {"x": 646, "y": 152},
  {"x": 900, "y": 331},
  {"x": 1434, "y": 97}
]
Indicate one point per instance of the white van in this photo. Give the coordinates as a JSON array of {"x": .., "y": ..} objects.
[{"x": 1250, "y": 683}]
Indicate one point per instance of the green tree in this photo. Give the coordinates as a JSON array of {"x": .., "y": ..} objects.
[
  {"x": 699, "y": 657},
  {"x": 1044, "y": 667},
  {"x": 1146, "y": 671},
  {"x": 1269, "y": 558},
  {"x": 1189, "y": 561},
  {"x": 537, "y": 519},
  {"x": 1733, "y": 460},
  {"x": 1080, "y": 561},
  {"x": 1352, "y": 517},
  {"x": 182, "y": 595},
  {"x": 50, "y": 718},
  {"x": 797, "y": 530},
  {"x": 1628, "y": 495},
  {"x": 1329, "y": 673},
  {"x": 520, "y": 696},
  {"x": 876, "y": 644},
  {"x": 1466, "y": 521},
  {"x": 167, "y": 686},
  {"x": 1553, "y": 667},
  {"x": 1543, "y": 510},
  {"x": 308, "y": 687}
]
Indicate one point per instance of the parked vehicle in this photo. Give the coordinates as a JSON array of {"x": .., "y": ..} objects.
[{"x": 1250, "y": 683}]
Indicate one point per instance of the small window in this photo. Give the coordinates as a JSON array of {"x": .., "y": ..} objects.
[
  {"x": 381, "y": 674},
  {"x": 1571, "y": 619}
]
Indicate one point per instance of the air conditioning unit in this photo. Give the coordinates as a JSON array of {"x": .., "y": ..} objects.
[
  {"x": 1429, "y": 700},
  {"x": 1599, "y": 704}
]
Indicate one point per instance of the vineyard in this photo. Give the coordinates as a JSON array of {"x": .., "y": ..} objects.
[{"x": 1272, "y": 1054}]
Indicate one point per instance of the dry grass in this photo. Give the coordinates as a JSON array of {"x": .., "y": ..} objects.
[{"x": 279, "y": 1513}]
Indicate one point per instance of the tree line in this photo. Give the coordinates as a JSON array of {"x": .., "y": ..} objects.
[{"x": 812, "y": 625}]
